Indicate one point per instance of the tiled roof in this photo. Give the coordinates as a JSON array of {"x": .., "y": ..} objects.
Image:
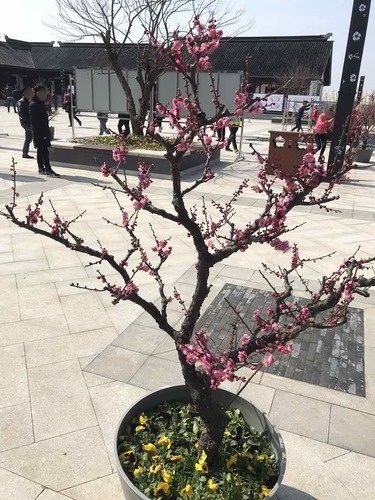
[{"x": 269, "y": 56}]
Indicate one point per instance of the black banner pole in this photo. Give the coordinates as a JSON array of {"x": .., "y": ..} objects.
[{"x": 349, "y": 81}]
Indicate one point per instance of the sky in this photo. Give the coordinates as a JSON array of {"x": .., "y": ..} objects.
[{"x": 276, "y": 18}]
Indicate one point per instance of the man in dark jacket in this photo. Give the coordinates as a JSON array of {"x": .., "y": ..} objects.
[
  {"x": 298, "y": 126},
  {"x": 23, "y": 114},
  {"x": 8, "y": 91},
  {"x": 40, "y": 129},
  {"x": 17, "y": 94}
]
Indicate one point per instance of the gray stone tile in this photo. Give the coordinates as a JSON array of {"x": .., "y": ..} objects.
[
  {"x": 84, "y": 312},
  {"x": 51, "y": 495},
  {"x": 70, "y": 274},
  {"x": 105, "y": 488},
  {"x": 156, "y": 373},
  {"x": 59, "y": 399},
  {"x": 304, "y": 416},
  {"x": 356, "y": 472},
  {"x": 93, "y": 380},
  {"x": 13, "y": 377},
  {"x": 325, "y": 452},
  {"x": 14, "y": 487},
  {"x": 16, "y": 428},
  {"x": 110, "y": 402},
  {"x": 27, "y": 247},
  {"x": 352, "y": 430},
  {"x": 61, "y": 462},
  {"x": 62, "y": 257},
  {"x": 74, "y": 345},
  {"x": 6, "y": 257},
  {"x": 140, "y": 338},
  {"x": 23, "y": 267},
  {"x": 33, "y": 329},
  {"x": 146, "y": 320},
  {"x": 9, "y": 310},
  {"x": 307, "y": 477},
  {"x": 39, "y": 301},
  {"x": 117, "y": 363}
]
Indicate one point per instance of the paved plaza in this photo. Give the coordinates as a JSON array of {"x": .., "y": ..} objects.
[{"x": 71, "y": 362}]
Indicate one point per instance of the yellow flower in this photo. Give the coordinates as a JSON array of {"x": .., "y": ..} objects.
[
  {"x": 196, "y": 446},
  {"x": 166, "y": 476},
  {"x": 142, "y": 420},
  {"x": 138, "y": 471},
  {"x": 227, "y": 433},
  {"x": 164, "y": 440},
  {"x": 260, "y": 458},
  {"x": 126, "y": 455},
  {"x": 140, "y": 428},
  {"x": 212, "y": 485},
  {"x": 161, "y": 488},
  {"x": 201, "y": 464},
  {"x": 202, "y": 458},
  {"x": 201, "y": 468},
  {"x": 154, "y": 469},
  {"x": 187, "y": 491},
  {"x": 176, "y": 458},
  {"x": 155, "y": 458},
  {"x": 264, "y": 491},
  {"x": 231, "y": 461},
  {"x": 149, "y": 447}
]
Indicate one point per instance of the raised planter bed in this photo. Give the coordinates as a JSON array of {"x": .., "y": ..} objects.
[{"x": 87, "y": 156}]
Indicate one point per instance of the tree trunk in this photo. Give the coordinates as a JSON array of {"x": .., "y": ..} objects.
[{"x": 215, "y": 420}]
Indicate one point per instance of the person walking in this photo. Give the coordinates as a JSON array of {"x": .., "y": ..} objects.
[
  {"x": 314, "y": 115},
  {"x": 234, "y": 125},
  {"x": 69, "y": 103},
  {"x": 103, "y": 118},
  {"x": 298, "y": 126},
  {"x": 8, "y": 91},
  {"x": 23, "y": 115},
  {"x": 324, "y": 121},
  {"x": 40, "y": 130},
  {"x": 123, "y": 125}
]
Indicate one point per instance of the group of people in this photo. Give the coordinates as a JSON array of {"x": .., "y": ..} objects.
[
  {"x": 322, "y": 123},
  {"x": 33, "y": 116},
  {"x": 123, "y": 125}
]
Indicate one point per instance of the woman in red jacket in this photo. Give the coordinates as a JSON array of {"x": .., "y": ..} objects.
[{"x": 324, "y": 121}]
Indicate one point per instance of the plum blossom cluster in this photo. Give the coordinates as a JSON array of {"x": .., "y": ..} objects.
[
  {"x": 33, "y": 216},
  {"x": 217, "y": 368},
  {"x": 122, "y": 293},
  {"x": 162, "y": 249}
]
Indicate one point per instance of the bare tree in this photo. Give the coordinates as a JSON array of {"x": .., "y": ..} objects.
[
  {"x": 117, "y": 23},
  {"x": 296, "y": 80}
]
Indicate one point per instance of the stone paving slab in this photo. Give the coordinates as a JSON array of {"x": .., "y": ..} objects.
[
  {"x": 332, "y": 358},
  {"x": 61, "y": 462}
]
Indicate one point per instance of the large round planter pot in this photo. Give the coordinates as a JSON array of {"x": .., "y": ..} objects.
[
  {"x": 363, "y": 155},
  {"x": 251, "y": 414}
]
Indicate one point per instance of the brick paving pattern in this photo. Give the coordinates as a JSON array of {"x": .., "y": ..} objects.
[{"x": 332, "y": 358}]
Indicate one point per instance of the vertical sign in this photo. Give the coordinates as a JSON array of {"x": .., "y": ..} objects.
[
  {"x": 349, "y": 81},
  {"x": 360, "y": 88}
]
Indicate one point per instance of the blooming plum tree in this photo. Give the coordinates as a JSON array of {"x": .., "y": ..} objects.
[{"x": 215, "y": 236}]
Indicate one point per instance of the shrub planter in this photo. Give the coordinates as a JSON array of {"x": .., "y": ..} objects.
[
  {"x": 251, "y": 414},
  {"x": 86, "y": 157},
  {"x": 363, "y": 155}
]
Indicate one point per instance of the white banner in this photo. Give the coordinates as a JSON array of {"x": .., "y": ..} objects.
[
  {"x": 273, "y": 102},
  {"x": 295, "y": 101}
]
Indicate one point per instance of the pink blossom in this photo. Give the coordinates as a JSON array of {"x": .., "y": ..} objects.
[
  {"x": 125, "y": 219},
  {"x": 151, "y": 128},
  {"x": 239, "y": 112},
  {"x": 182, "y": 146},
  {"x": 130, "y": 289},
  {"x": 268, "y": 360},
  {"x": 286, "y": 349},
  {"x": 242, "y": 356},
  {"x": 245, "y": 339},
  {"x": 119, "y": 154},
  {"x": 106, "y": 171},
  {"x": 282, "y": 246},
  {"x": 141, "y": 203},
  {"x": 207, "y": 140},
  {"x": 257, "y": 189}
]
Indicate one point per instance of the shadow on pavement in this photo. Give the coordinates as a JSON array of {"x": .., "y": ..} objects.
[{"x": 289, "y": 493}]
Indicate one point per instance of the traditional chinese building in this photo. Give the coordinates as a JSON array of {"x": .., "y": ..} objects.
[{"x": 272, "y": 61}]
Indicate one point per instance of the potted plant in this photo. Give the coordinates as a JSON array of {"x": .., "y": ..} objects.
[
  {"x": 197, "y": 441},
  {"x": 365, "y": 123}
]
